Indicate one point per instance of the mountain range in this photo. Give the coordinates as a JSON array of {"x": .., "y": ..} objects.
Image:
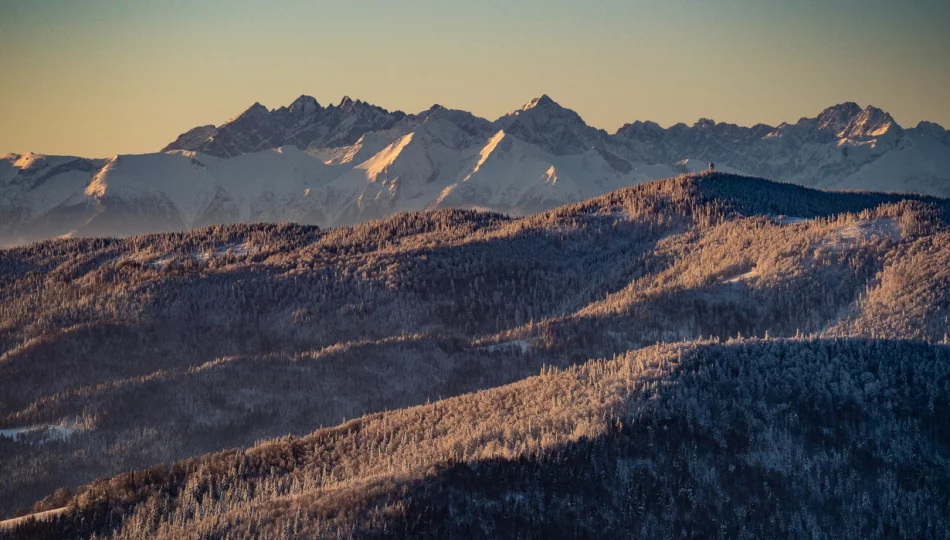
[{"x": 347, "y": 163}]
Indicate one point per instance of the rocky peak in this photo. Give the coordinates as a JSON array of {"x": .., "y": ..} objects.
[
  {"x": 838, "y": 117},
  {"x": 871, "y": 122},
  {"x": 540, "y": 101},
  {"x": 192, "y": 139},
  {"x": 304, "y": 123},
  {"x": 639, "y": 129},
  {"x": 304, "y": 106},
  {"x": 556, "y": 129},
  {"x": 933, "y": 130},
  {"x": 347, "y": 103},
  {"x": 254, "y": 111},
  {"x": 926, "y": 126},
  {"x": 454, "y": 128},
  {"x": 761, "y": 130}
]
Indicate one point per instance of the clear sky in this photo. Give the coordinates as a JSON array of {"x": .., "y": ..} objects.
[{"x": 101, "y": 77}]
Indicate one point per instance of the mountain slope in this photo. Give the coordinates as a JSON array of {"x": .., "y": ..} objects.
[
  {"x": 378, "y": 163},
  {"x": 162, "y": 347},
  {"x": 49, "y": 196},
  {"x": 555, "y": 129},
  {"x": 740, "y": 439},
  {"x": 837, "y": 149},
  {"x": 844, "y": 147},
  {"x": 303, "y": 124}
]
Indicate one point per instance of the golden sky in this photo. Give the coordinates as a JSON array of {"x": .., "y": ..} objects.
[{"x": 97, "y": 77}]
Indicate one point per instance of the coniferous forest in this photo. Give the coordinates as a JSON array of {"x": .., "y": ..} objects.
[{"x": 704, "y": 356}]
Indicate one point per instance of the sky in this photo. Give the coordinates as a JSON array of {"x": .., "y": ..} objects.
[{"x": 103, "y": 77}]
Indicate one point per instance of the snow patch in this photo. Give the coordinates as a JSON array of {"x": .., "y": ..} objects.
[
  {"x": 47, "y": 432},
  {"x": 12, "y": 523},
  {"x": 28, "y": 160},
  {"x": 751, "y": 274},
  {"x": 883, "y": 229},
  {"x": 789, "y": 220},
  {"x": 222, "y": 251},
  {"x": 524, "y": 345}
]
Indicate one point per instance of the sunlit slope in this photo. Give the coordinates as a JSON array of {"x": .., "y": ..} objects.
[
  {"x": 353, "y": 162},
  {"x": 161, "y": 347}
]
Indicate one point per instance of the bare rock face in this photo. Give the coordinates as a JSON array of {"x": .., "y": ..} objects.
[
  {"x": 304, "y": 123},
  {"x": 553, "y": 128},
  {"x": 192, "y": 139}
]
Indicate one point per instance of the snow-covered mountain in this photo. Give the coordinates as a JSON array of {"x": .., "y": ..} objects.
[
  {"x": 844, "y": 147},
  {"x": 303, "y": 124},
  {"x": 50, "y": 196},
  {"x": 354, "y": 161}
]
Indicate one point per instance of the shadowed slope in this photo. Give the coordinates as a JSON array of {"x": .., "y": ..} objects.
[{"x": 746, "y": 439}]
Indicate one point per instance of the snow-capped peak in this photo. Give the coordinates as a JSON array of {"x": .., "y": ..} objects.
[
  {"x": 304, "y": 124},
  {"x": 640, "y": 128},
  {"x": 925, "y": 125},
  {"x": 192, "y": 139},
  {"x": 304, "y": 105},
  {"x": 453, "y": 128},
  {"x": 544, "y": 109},
  {"x": 838, "y": 117},
  {"x": 934, "y": 131},
  {"x": 361, "y": 161},
  {"x": 29, "y": 160},
  {"x": 347, "y": 103},
  {"x": 556, "y": 129},
  {"x": 540, "y": 101},
  {"x": 871, "y": 122},
  {"x": 255, "y": 110}
]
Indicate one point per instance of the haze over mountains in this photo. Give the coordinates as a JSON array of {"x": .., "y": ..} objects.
[{"x": 347, "y": 163}]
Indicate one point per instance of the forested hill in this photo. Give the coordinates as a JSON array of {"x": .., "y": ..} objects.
[
  {"x": 123, "y": 354},
  {"x": 746, "y": 439},
  {"x": 755, "y": 196}
]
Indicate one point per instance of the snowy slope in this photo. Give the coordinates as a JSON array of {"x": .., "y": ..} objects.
[
  {"x": 453, "y": 159},
  {"x": 521, "y": 178},
  {"x": 919, "y": 164},
  {"x": 131, "y": 194}
]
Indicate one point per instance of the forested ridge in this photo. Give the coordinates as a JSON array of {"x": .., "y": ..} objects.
[{"x": 777, "y": 346}]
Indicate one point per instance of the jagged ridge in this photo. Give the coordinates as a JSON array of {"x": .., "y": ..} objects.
[{"x": 351, "y": 162}]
